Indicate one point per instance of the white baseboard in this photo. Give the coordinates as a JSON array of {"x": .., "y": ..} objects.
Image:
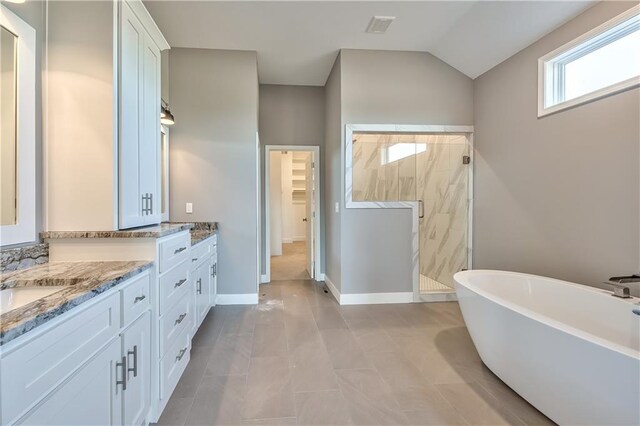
[
  {"x": 320, "y": 277},
  {"x": 438, "y": 297},
  {"x": 287, "y": 240},
  {"x": 376, "y": 298},
  {"x": 237, "y": 299},
  {"x": 332, "y": 288},
  {"x": 367, "y": 298},
  {"x": 296, "y": 239},
  {"x": 264, "y": 279}
]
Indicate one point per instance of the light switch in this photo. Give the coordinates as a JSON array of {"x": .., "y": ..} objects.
[
  {"x": 189, "y": 207},
  {"x": 338, "y": 207}
]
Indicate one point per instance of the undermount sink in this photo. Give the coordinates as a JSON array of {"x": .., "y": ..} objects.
[{"x": 16, "y": 297}]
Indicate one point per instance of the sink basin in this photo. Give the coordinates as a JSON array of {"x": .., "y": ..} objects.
[{"x": 16, "y": 297}]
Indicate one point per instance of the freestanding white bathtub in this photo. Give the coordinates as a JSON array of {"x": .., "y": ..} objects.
[{"x": 572, "y": 351}]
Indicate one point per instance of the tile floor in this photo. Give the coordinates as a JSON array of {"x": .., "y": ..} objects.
[
  {"x": 292, "y": 264},
  {"x": 299, "y": 358}
]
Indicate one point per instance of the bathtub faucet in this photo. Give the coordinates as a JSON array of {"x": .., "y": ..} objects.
[{"x": 619, "y": 290}]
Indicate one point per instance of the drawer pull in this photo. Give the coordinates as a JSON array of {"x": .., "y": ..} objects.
[
  {"x": 179, "y": 283},
  {"x": 180, "y": 250},
  {"x": 181, "y": 354},
  {"x": 199, "y": 285},
  {"x": 122, "y": 382},
  {"x": 195, "y": 259},
  {"x": 139, "y": 299},
  {"x": 134, "y": 352},
  {"x": 181, "y": 318}
]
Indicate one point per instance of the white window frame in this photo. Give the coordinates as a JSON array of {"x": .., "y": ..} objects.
[
  {"x": 551, "y": 65},
  {"x": 24, "y": 230}
]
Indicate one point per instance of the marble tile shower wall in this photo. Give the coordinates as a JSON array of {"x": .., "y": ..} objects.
[{"x": 434, "y": 174}]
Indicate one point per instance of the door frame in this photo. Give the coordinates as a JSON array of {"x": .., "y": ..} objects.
[
  {"x": 347, "y": 194},
  {"x": 315, "y": 152}
]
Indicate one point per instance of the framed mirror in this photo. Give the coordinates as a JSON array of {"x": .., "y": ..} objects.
[{"x": 17, "y": 129}]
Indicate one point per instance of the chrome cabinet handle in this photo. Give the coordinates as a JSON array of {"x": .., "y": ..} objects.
[
  {"x": 134, "y": 352},
  {"x": 194, "y": 259},
  {"x": 421, "y": 209},
  {"x": 181, "y": 354},
  {"x": 139, "y": 299},
  {"x": 180, "y": 250},
  {"x": 199, "y": 285},
  {"x": 179, "y": 283},
  {"x": 215, "y": 269},
  {"x": 150, "y": 203},
  {"x": 181, "y": 318},
  {"x": 122, "y": 382}
]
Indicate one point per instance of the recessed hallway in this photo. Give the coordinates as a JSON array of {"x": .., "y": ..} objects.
[
  {"x": 291, "y": 265},
  {"x": 300, "y": 358}
]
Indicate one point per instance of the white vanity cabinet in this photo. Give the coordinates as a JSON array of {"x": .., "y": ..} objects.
[
  {"x": 139, "y": 118},
  {"x": 84, "y": 367},
  {"x": 204, "y": 260}
]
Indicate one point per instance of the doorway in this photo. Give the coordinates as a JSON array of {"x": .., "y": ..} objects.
[{"x": 292, "y": 200}]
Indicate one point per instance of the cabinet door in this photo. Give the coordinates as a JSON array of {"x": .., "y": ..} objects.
[
  {"x": 137, "y": 350},
  {"x": 201, "y": 280},
  {"x": 130, "y": 117},
  {"x": 89, "y": 397},
  {"x": 149, "y": 168}
]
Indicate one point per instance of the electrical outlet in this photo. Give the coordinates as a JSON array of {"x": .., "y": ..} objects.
[{"x": 189, "y": 208}]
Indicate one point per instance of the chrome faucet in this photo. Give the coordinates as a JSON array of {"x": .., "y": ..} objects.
[{"x": 619, "y": 290}]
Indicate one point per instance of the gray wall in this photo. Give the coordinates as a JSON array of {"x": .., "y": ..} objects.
[
  {"x": 332, "y": 176},
  {"x": 33, "y": 13},
  {"x": 559, "y": 195},
  {"x": 385, "y": 87},
  {"x": 213, "y": 154},
  {"x": 290, "y": 115}
]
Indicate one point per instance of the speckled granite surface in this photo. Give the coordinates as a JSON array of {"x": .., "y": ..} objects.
[
  {"x": 202, "y": 230},
  {"x": 23, "y": 257},
  {"x": 155, "y": 231},
  {"x": 82, "y": 281}
]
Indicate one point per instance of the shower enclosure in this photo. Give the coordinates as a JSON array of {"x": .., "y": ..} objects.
[{"x": 427, "y": 169}]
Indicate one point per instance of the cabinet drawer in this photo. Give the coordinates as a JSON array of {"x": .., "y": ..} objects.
[
  {"x": 200, "y": 252},
  {"x": 177, "y": 319},
  {"x": 173, "y": 285},
  {"x": 174, "y": 250},
  {"x": 38, "y": 366},
  {"x": 173, "y": 363},
  {"x": 135, "y": 297}
]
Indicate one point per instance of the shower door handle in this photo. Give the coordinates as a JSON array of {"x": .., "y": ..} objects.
[{"x": 420, "y": 209}]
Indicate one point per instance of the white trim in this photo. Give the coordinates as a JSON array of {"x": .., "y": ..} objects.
[
  {"x": 376, "y": 298},
  {"x": 347, "y": 168},
  {"x": 264, "y": 279},
  {"x": 332, "y": 288},
  {"x": 24, "y": 230},
  {"x": 369, "y": 298},
  {"x": 546, "y": 69},
  {"x": 258, "y": 222},
  {"x": 164, "y": 130},
  {"x": 320, "y": 276},
  {"x": 315, "y": 149},
  {"x": 149, "y": 24},
  {"x": 439, "y": 297},
  {"x": 237, "y": 299}
]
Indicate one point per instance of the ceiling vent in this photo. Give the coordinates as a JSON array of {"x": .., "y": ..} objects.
[{"x": 380, "y": 24}]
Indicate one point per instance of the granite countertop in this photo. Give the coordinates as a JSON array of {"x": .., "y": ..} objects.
[
  {"x": 203, "y": 230},
  {"x": 81, "y": 280},
  {"x": 155, "y": 231}
]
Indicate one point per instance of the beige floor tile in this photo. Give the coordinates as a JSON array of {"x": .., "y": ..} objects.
[
  {"x": 291, "y": 265},
  {"x": 476, "y": 405},
  {"x": 399, "y": 373},
  {"x": 230, "y": 355},
  {"x": 219, "y": 401},
  {"x": 321, "y": 408},
  {"x": 192, "y": 376},
  {"x": 269, "y": 340},
  {"x": 283, "y": 421},
  {"x": 311, "y": 368},
  {"x": 437, "y": 416},
  {"x": 328, "y": 317},
  {"x": 369, "y": 399},
  {"x": 344, "y": 350},
  {"x": 176, "y": 412},
  {"x": 269, "y": 389}
]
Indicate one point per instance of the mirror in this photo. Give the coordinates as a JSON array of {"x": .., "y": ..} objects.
[{"x": 8, "y": 127}]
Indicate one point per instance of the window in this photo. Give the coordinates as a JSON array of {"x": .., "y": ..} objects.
[
  {"x": 604, "y": 61},
  {"x": 401, "y": 150}
]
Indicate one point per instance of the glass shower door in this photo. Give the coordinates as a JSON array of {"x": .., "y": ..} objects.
[{"x": 443, "y": 191}]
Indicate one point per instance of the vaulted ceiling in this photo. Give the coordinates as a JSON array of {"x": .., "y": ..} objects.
[{"x": 297, "y": 41}]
